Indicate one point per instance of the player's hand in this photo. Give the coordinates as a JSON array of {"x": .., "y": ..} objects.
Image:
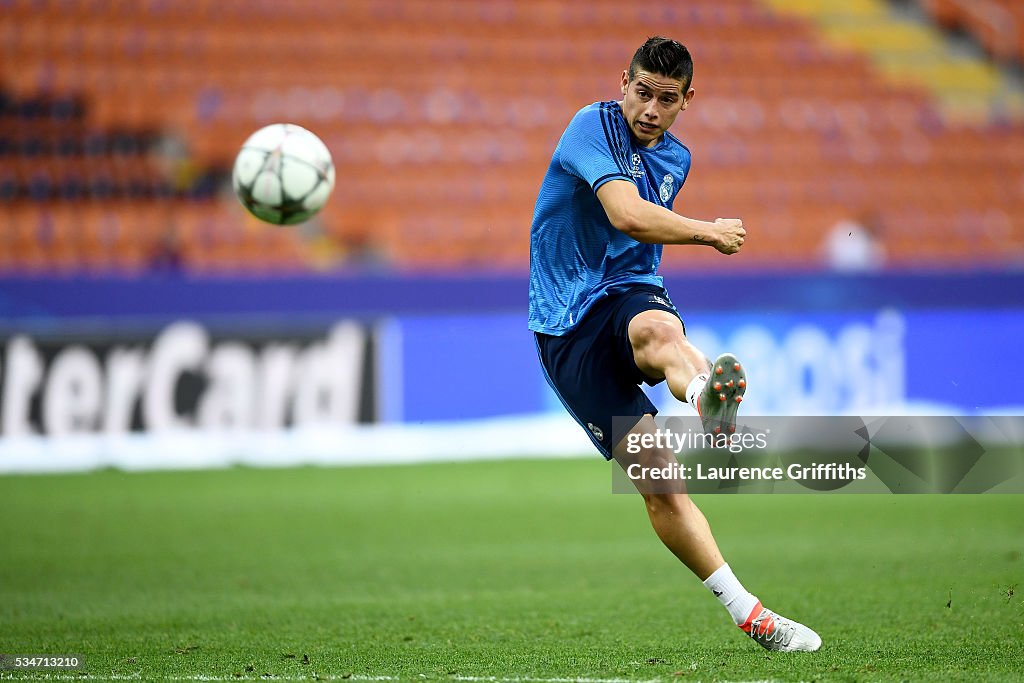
[{"x": 730, "y": 235}]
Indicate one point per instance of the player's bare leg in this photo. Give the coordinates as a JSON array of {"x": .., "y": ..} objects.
[
  {"x": 685, "y": 531},
  {"x": 661, "y": 350},
  {"x": 679, "y": 523}
]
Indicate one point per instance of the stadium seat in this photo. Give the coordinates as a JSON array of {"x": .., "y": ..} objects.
[{"x": 408, "y": 95}]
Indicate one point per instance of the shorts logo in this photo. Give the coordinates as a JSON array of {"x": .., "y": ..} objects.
[
  {"x": 596, "y": 431},
  {"x": 658, "y": 300},
  {"x": 668, "y": 184}
]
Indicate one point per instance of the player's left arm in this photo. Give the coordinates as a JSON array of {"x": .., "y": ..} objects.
[{"x": 647, "y": 222}]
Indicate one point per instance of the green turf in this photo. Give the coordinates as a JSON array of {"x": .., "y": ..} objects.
[{"x": 527, "y": 569}]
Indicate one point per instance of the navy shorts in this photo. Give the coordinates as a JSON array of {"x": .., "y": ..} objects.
[{"x": 592, "y": 370}]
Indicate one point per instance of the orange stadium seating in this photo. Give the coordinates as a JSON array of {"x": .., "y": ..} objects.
[
  {"x": 441, "y": 116},
  {"x": 997, "y": 24}
]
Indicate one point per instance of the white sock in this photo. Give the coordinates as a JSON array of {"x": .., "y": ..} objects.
[
  {"x": 696, "y": 386},
  {"x": 731, "y": 593}
]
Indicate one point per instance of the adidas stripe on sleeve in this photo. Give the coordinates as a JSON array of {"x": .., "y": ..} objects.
[{"x": 594, "y": 148}]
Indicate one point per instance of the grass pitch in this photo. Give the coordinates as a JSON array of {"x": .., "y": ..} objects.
[{"x": 525, "y": 570}]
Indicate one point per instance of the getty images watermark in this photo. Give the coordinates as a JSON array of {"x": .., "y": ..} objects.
[
  {"x": 823, "y": 454},
  {"x": 733, "y": 443}
]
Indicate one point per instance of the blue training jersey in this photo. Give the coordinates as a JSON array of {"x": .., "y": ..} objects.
[{"x": 576, "y": 255}]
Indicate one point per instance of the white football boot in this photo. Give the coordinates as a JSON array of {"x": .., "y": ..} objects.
[{"x": 774, "y": 632}]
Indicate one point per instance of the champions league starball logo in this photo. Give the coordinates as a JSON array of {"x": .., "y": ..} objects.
[{"x": 638, "y": 170}]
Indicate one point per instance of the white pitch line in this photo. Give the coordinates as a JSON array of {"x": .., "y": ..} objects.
[{"x": 46, "y": 676}]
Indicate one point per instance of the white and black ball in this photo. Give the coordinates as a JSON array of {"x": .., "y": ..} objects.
[{"x": 283, "y": 174}]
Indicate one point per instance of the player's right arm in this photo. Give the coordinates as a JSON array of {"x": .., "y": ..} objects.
[
  {"x": 593, "y": 148},
  {"x": 647, "y": 222}
]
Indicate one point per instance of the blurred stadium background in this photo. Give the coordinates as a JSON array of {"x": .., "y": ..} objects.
[{"x": 874, "y": 149}]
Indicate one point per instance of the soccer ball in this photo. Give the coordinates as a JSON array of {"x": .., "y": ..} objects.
[{"x": 283, "y": 174}]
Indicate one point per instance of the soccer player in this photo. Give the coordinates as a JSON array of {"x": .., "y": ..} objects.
[{"x": 603, "y": 321}]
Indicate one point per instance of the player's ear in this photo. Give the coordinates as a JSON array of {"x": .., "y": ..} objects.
[
  {"x": 686, "y": 98},
  {"x": 625, "y": 80}
]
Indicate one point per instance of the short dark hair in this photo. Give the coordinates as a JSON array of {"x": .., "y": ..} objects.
[{"x": 663, "y": 56}]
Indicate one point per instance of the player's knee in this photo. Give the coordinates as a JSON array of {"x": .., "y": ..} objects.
[
  {"x": 667, "y": 504},
  {"x": 650, "y": 335},
  {"x": 662, "y": 495}
]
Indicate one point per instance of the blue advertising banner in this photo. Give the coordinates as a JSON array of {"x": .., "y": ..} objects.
[
  {"x": 165, "y": 298},
  {"x": 890, "y": 361},
  {"x": 456, "y": 347},
  {"x": 946, "y": 362}
]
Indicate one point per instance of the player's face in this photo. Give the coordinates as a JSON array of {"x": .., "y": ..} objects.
[{"x": 651, "y": 102}]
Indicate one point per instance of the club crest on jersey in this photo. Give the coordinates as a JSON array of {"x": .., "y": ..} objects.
[
  {"x": 638, "y": 170},
  {"x": 596, "y": 431},
  {"x": 668, "y": 184}
]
